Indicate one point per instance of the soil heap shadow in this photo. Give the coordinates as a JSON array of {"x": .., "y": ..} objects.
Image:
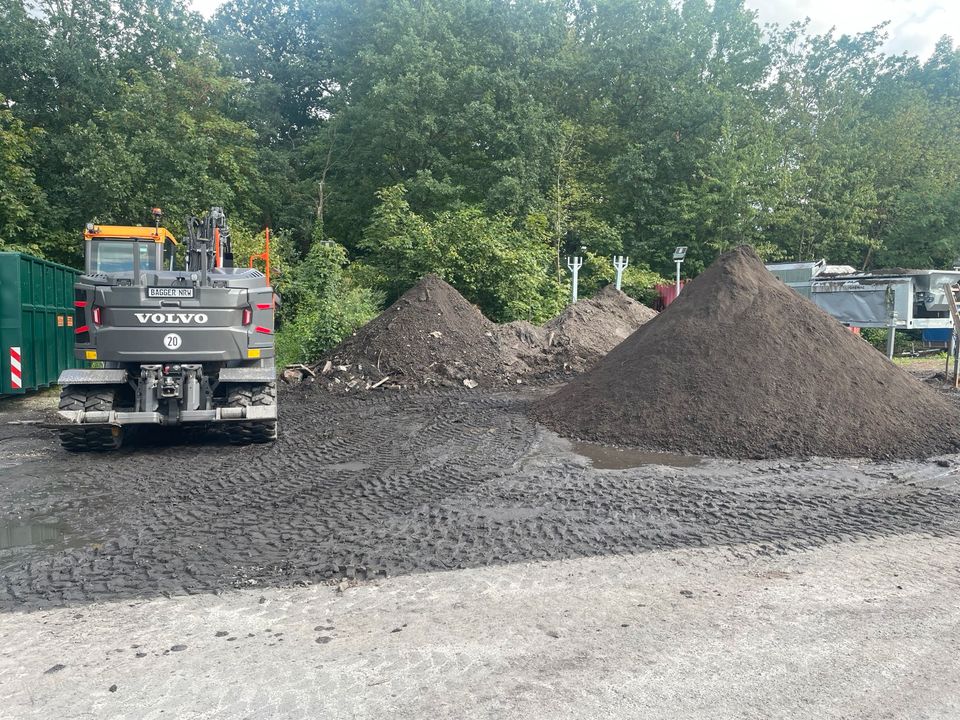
[{"x": 742, "y": 366}]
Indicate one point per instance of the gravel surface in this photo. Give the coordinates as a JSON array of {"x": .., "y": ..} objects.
[
  {"x": 848, "y": 631},
  {"x": 360, "y": 488}
]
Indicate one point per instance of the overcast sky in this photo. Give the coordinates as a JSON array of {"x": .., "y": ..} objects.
[{"x": 915, "y": 25}]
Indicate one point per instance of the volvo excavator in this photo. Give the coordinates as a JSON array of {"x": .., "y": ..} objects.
[{"x": 169, "y": 347}]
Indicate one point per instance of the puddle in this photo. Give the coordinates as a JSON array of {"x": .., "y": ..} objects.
[
  {"x": 604, "y": 457},
  {"x": 17, "y": 534}
]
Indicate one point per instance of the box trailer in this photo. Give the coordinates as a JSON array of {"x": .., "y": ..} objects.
[{"x": 36, "y": 322}]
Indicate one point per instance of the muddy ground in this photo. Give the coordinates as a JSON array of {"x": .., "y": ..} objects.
[
  {"x": 181, "y": 577},
  {"x": 388, "y": 484}
]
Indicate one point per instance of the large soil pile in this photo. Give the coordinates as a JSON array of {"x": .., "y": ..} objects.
[
  {"x": 742, "y": 366},
  {"x": 430, "y": 335},
  {"x": 586, "y": 331}
]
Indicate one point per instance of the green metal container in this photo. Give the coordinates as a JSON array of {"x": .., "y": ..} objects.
[{"x": 36, "y": 322}]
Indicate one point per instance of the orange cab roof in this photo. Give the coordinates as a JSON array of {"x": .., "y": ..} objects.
[{"x": 131, "y": 232}]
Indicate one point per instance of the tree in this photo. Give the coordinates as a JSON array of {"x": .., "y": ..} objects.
[
  {"x": 505, "y": 270},
  {"x": 22, "y": 202}
]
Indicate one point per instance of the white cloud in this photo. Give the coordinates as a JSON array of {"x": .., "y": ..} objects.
[
  {"x": 205, "y": 7},
  {"x": 915, "y": 25}
]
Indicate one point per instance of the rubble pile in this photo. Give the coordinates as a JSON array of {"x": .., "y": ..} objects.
[
  {"x": 434, "y": 336},
  {"x": 586, "y": 331}
]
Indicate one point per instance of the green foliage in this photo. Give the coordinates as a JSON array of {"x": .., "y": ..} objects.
[
  {"x": 22, "y": 203},
  {"x": 505, "y": 270},
  {"x": 904, "y": 341},
  {"x": 484, "y": 140},
  {"x": 321, "y": 305},
  {"x": 246, "y": 242}
]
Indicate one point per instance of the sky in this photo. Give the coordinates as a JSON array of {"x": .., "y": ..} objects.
[{"x": 915, "y": 25}]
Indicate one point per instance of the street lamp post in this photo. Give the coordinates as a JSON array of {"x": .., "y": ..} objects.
[
  {"x": 620, "y": 263},
  {"x": 678, "y": 255},
  {"x": 575, "y": 263}
]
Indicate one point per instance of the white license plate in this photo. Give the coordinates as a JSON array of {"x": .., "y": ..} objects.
[{"x": 169, "y": 292}]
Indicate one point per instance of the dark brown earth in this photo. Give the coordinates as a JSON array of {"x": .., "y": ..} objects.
[
  {"x": 391, "y": 483},
  {"x": 434, "y": 336},
  {"x": 586, "y": 331},
  {"x": 742, "y": 366},
  {"x": 431, "y": 335}
]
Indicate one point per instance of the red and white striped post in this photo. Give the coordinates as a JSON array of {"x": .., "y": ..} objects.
[{"x": 16, "y": 373}]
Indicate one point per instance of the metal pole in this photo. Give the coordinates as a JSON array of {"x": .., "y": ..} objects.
[
  {"x": 575, "y": 263},
  {"x": 620, "y": 264},
  {"x": 678, "y": 276},
  {"x": 956, "y": 364},
  {"x": 953, "y": 339},
  {"x": 890, "y": 300}
]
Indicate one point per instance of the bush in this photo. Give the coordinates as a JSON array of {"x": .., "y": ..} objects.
[
  {"x": 503, "y": 268},
  {"x": 904, "y": 341},
  {"x": 321, "y": 305}
]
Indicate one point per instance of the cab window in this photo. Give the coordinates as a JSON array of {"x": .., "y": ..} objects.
[{"x": 113, "y": 256}]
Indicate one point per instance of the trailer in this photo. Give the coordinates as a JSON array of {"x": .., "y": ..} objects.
[
  {"x": 904, "y": 299},
  {"x": 36, "y": 322}
]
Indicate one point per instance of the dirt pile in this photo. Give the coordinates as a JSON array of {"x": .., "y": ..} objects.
[
  {"x": 431, "y": 335},
  {"x": 742, "y": 366},
  {"x": 586, "y": 331}
]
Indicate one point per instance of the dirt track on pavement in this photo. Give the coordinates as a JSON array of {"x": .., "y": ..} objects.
[{"x": 392, "y": 484}]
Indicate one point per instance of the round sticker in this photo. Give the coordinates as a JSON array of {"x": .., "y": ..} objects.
[{"x": 172, "y": 341}]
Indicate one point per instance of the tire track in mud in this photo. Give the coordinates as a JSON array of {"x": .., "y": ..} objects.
[{"x": 379, "y": 485}]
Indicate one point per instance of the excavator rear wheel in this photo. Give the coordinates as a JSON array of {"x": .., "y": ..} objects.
[
  {"x": 254, "y": 431},
  {"x": 88, "y": 439}
]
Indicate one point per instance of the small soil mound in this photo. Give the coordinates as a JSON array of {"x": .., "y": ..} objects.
[
  {"x": 431, "y": 335},
  {"x": 742, "y": 366},
  {"x": 586, "y": 331}
]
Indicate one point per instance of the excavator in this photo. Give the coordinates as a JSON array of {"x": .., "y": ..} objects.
[{"x": 169, "y": 347}]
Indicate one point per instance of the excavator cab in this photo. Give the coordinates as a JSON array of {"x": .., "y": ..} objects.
[{"x": 117, "y": 249}]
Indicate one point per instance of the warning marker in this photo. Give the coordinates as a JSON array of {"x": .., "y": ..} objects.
[{"x": 16, "y": 380}]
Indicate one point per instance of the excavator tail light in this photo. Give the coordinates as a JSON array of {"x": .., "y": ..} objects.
[{"x": 247, "y": 316}]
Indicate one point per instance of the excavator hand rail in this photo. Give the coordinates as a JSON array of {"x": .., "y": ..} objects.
[{"x": 265, "y": 255}]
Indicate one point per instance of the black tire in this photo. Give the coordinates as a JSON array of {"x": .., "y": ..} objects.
[
  {"x": 89, "y": 439},
  {"x": 255, "y": 431}
]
